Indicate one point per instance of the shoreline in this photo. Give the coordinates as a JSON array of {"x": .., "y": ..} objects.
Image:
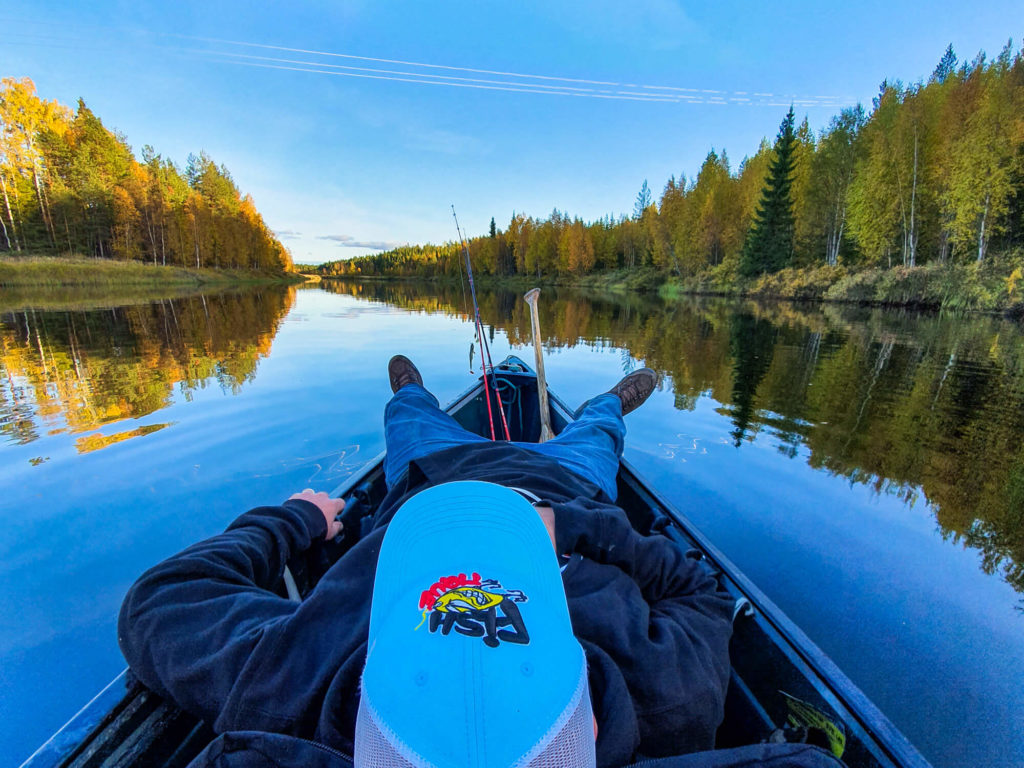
[
  {"x": 69, "y": 272},
  {"x": 994, "y": 288}
]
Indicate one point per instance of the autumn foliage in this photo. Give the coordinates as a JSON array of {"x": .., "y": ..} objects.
[
  {"x": 70, "y": 185},
  {"x": 933, "y": 174}
]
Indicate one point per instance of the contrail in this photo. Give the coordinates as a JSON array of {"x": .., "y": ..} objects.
[
  {"x": 825, "y": 101},
  {"x": 519, "y": 82},
  {"x": 312, "y": 66},
  {"x": 389, "y": 71},
  {"x": 524, "y": 88},
  {"x": 398, "y": 61},
  {"x": 341, "y": 70}
]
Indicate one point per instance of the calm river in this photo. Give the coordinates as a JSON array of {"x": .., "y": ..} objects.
[{"x": 865, "y": 468}]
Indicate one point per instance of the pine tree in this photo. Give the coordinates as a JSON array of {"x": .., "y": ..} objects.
[
  {"x": 945, "y": 67},
  {"x": 769, "y": 245},
  {"x": 643, "y": 201}
]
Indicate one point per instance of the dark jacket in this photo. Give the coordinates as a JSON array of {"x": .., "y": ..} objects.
[{"x": 204, "y": 629}]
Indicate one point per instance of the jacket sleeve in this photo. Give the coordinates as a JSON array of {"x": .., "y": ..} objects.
[
  {"x": 661, "y": 618},
  {"x": 189, "y": 626}
]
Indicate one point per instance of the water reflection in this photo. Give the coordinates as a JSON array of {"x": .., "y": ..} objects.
[
  {"x": 926, "y": 408},
  {"x": 923, "y": 407},
  {"x": 752, "y": 344},
  {"x": 922, "y": 410},
  {"x": 77, "y": 370}
]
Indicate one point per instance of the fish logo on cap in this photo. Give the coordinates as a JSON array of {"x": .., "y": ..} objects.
[{"x": 470, "y": 605}]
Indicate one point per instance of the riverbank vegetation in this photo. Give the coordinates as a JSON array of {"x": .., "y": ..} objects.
[
  {"x": 44, "y": 271},
  {"x": 69, "y": 185},
  {"x": 57, "y": 282},
  {"x": 920, "y": 201}
]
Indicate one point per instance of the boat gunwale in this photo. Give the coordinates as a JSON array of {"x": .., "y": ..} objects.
[
  {"x": 86, "y": 719},
  {"x": 795, "y": 643},
  {"x": 90, "y": 716},
  {"x": 883, "y": 733}
]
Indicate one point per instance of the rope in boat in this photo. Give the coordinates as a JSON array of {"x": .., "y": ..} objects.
[
  {"x": 512, "y": 399},
  {"x": 485, "y": 348}
]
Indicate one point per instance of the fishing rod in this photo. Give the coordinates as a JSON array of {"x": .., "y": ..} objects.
[{"x": 485, "y": 348}]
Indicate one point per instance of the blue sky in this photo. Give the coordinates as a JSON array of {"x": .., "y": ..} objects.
[{"x": 338, "y": 162}]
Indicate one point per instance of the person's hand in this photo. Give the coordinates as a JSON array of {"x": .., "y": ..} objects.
[
  {"x": 331, "y": 508},
  {"x": 547, "y": 514}
]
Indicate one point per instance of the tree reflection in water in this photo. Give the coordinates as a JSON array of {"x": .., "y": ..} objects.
[
  {"x": 916, "y": 406},
  {"x": 77, "y": 370},
  {"x": 912, "y": 405}
]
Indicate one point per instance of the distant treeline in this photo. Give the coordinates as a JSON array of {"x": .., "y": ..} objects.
[
  {"x": 935, "y": 173},
  {"x": 70, "y": 185}
]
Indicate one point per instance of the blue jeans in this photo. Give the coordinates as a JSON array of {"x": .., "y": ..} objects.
[{"x": 415, "y": 425}]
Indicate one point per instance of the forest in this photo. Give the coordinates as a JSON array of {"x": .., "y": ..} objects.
[
  {"x": 71, "y": 186},
  {"x": 932, "y": 175}
]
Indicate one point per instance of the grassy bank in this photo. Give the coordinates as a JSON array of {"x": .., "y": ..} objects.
[
  {"x": 55, "y": 272},
  {"x": 83, "y": 298},
  {"x": 996, "y": 285}
]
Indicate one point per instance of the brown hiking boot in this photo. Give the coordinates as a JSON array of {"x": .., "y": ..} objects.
[
  {"x": 634, "y": 388},
  {"x": 401, "y": 371}
]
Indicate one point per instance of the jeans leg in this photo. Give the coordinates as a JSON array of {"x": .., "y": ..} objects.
[
  {"x": 414, "y": 426},
  {"x": 591, "y": 446}
]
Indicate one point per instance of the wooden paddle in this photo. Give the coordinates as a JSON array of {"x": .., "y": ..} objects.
[{"x": 542, "y": 387}]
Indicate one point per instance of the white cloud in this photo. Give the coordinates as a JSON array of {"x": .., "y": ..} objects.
[{"x": 348, "y": 241}]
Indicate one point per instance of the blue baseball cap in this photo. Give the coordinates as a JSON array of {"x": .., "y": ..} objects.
[{"x": 471, "y": 660}]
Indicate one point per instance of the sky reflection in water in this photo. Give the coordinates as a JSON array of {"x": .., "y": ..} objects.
[{"x": 866, "y": 469}]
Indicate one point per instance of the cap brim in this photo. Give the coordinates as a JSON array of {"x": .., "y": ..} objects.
[{"x": 471, "y": 656}]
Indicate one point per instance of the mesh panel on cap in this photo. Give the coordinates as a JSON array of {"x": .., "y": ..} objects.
[
  {"x": 373, "y": 749},
  {"x": 573, "y": 747}
]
